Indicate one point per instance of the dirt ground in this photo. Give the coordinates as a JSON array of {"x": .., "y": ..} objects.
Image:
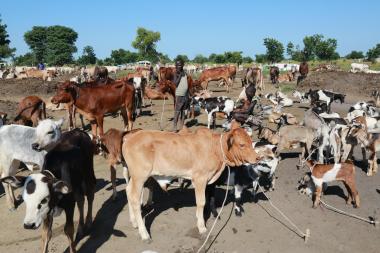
[{"x": 172, "y": 221}]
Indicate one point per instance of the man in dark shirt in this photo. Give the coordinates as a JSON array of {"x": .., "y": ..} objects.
[{"x": 181, "y": 95}]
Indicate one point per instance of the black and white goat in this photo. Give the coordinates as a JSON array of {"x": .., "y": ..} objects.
[{"x": 245, "y": 176}]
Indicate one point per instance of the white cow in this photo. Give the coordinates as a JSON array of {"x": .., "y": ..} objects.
[
  {"x": 359, "y": 67},
  {"x": 15, "y": 147}
]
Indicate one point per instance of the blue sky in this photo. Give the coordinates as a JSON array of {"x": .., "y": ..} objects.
[{"x": 193, "y": 26}]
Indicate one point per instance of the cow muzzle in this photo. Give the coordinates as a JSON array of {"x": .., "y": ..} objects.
[{"x": 30, "y": 226}]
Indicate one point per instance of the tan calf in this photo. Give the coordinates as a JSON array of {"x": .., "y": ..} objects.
[
  {"x": 198, "y": 156},
  {"x": 324, "y": 173}
]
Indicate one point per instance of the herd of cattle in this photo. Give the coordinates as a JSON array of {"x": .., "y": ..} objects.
[{"x": 65, "y": 158}]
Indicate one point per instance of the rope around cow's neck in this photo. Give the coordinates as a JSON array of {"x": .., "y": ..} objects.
[{"x": 225, "y": 196}]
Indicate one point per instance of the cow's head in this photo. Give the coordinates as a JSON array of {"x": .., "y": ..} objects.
[
  {"x": 41, "y": 193},
  {"x": 66, "y": 93},
  {"x": 48, "y": 132},
  {"x": 239, "y": 146}
]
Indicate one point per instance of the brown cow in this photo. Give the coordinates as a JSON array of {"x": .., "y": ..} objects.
[
  {"x": 304, "y": 70},
  {"x": 45, "y": 75},
  {"x": 151, "y": 152},
  {"x": 110, "y": 147},
  {"x": 166, "y": 73},
  {"x": 216, "y": 74},
  {"x": 274, "y": 73},
  {"x": 94, "y": 102},
  {"x": 285, "y": 77},
  {"x": 31, "y": 109},
  {"x": 254, "y": 76}
]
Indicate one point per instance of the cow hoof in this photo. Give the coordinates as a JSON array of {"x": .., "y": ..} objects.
[{"x": 202, "y": 230}]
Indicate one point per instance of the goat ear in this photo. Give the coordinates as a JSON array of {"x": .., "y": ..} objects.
[
  {"x": 62, "y": 187},
  {"x": 14, "y": 181}
]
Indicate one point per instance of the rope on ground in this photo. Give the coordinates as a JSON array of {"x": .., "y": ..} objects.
[
  {"x": 162, "y": 114},
  {"x": 220, "y": 212},
  {"x": 370, "y": 221},
  {"x": 303, "y": 235}
]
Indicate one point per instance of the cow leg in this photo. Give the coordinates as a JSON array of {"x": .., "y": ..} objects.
[
  {"x": 69, "y": 226},
  {"x": 238, "y": 201},
  {"x": 210, "y": 195},
  {"x": 134, "y": 191},
  {"x": 129, "y": 114},
  {"x": 200, "y": 187},
  {"x": 9, "y": 194},
  {"x": 364, "y": 154},
  {"x": 82, "y": 121},
  {"x": 35, "y": 118},
  {"x": 125, "y": 174},
  {"x": 94, "y": 129},
  {"x": 80, "y": 230},
  {"x": 99, "y": 121},
  {"x": 46, "y": 233},
  {"x": 90, "y": 201},
  {"x": 113, "y": 179}
]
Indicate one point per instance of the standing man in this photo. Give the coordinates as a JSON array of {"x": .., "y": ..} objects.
[{"x": 181, "y": 95}]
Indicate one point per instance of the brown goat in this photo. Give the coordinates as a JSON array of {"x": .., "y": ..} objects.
[{"x": 324, "y": 173}]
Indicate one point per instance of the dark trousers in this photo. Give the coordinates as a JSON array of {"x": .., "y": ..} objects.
[{"x": 181, "y": 104}]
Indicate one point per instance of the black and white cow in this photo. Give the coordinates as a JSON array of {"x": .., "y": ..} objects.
[
  {"x": 245, "y": 176},
  {"x": 216, "y": 104},
  {"x": 66, "y": 178}
]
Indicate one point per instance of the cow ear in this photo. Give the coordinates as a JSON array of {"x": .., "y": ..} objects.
[
  {"x": 15, "y": 181},
  {"x": 130, "y": 80},
  {"x": 62, "y": 187},
  {"x": 234, "y": 125},
  {"x": 230, "y": 141},
  {"x": 59, "y": 122}
]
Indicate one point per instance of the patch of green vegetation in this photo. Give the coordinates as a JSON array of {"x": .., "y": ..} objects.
[{"x": 287, "y": 87}]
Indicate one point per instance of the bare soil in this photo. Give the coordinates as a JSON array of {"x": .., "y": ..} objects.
[
  {"x": 356, "y": 85},
  {"x": 172, "y": 221}
]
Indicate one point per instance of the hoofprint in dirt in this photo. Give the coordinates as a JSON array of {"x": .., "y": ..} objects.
[{"x": 172, "y": 221}]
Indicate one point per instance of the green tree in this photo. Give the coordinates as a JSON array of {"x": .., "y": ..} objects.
[
  {"x": 108, "y": 61},
  {"x": 122, "y": 56},
  {"x": 5, "y": 50},
  {"x": 88, "y": 57},
  {"x": 217, "y": 58},
  {"x": 182, "y": 57},
  {"x": 310, "y": 46},
  {"x": 163, "y": 58},
  {"x": 200, "y": 59},
  {"x": 233, "y": 57},
  {"x": 275, "y": 50},
  {"x": 27, "y": 59},
  {"x": 53, "y": 44},
  {"x": 247, "y": 59},
  {"x": 355, "y": 55},
  {"x": 290, "y": 49},
  {"x": 36, "y": 40},
  {"x": 325, "y": 49},
  {"x": 261, "y": 58},
  {"x": 60, "y": 45},
  {"x": 146, "y": 43},
  {"x": 373, "y": 53}
]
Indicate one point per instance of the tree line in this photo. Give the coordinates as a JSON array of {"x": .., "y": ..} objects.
[{"x": 55, "y": 46}]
